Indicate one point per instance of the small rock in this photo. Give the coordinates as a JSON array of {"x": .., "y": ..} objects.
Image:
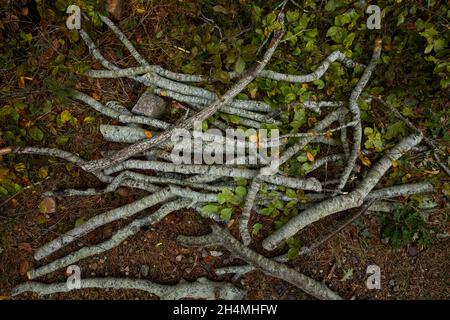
[
  {"x": 179, "y": 257},
  {"x": 93, "y": 266},
  {"x": 150, "y": 105},
  {"x": 144, "y": 270},
  {"x": 391, "y": 283},
  {"x": 413, "y": 251}
]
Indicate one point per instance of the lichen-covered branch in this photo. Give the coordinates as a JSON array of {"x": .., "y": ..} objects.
[
  {"x": 202, "y": 288},
  {"x": 188, "y": 123},
  {"x": 354, "y": 109},
  {"x": 343, "y": 202},
  {"x": 268, "y": 266}
]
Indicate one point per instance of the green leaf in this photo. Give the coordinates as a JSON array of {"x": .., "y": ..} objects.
[
  {"x": 342, "y": 20},
  {"x": 62, "y": 140},
  {"x": 292, "y": 16},
  {"x": 239, "y": 65},
  {"x": 349, "y": 39},
  {"x": 338, "y": 34},
  {"x": 291, "y": 193},
  {"x": 225, "y": 214},
  {"x": 36, "y": 134},
  {"x": 79, "y": 221},
  {"x": 241, "y": 191},
  {"x": 395, "y": 130},
  {"x": 293, "y": 253},
  {"x": 210, "y": 209},
  {"x": 256, "y": 228},
  {"x": 290, "y": 97}
]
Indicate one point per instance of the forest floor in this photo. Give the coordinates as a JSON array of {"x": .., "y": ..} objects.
[{"x": 411, "y": 272}]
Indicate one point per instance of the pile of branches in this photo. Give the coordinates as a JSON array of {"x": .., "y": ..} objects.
[{"x": 176, "y": 186}]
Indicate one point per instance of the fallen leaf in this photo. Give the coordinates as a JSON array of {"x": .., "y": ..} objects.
[
  {"x": 96, "y": 96},
  {"x": 24, "y": 266},
  {"x": 365, "y": 161},
  {"x": 47, "y": 205},
  {"x": 310, "y": 156},
  {"x": 148, "y": 134},
  {"x": 25, "y": 247}
]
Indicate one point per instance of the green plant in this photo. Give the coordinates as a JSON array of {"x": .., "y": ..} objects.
[{"x": 405, "y": 226}]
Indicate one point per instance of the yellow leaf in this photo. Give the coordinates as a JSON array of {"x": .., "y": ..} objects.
[
  {"x": 148, "y": 134},
  {"x": 394, "y": 163},
  {"x": 4, "y": 298},
  {"x": 96, "y": 96},
  {"x": 310, "y": 156},
  {"x": 365, "y": 161},
  {"x": 140, "y": 10},
  {"x": 43, "y": 172},
  {"x": 21, "y": 82}
]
